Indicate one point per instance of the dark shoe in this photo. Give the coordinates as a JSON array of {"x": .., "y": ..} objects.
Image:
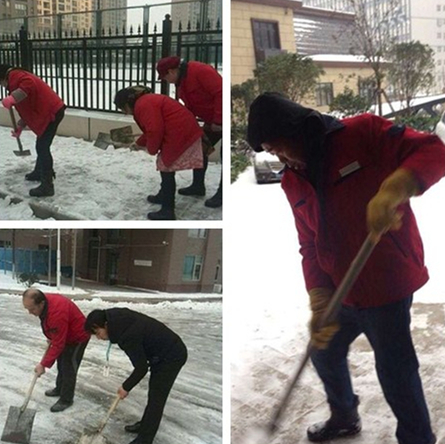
[
  {"x": 52, "y": 392},
  {"x": 163, "y": 214},
  {"x": 215, "y": 201},
  {"x": 326, "y": 431},
  {"x": 33, "y": 176},
  {"x": 60, "y": 406},
  {"x": 193, "y": 190},
  {"x": 133, "y": 428},
  {"x": 155, "y": 198}
]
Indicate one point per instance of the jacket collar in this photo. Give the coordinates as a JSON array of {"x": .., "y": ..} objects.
[{"x": 332, "y": 124}]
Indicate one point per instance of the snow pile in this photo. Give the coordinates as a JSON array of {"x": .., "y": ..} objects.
[{"x": 96, "y": 184}]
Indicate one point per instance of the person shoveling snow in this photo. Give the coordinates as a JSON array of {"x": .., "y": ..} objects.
[{"x": 148, "y": 343}]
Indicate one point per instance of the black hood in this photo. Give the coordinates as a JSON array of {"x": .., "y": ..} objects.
[{"x": 273, "y": 116}]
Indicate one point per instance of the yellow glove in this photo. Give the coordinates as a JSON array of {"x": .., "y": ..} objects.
[
  {"x": 382, "y": 214},
  {"x": 319, "y": 299}
]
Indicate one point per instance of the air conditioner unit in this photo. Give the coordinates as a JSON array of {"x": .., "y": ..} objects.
[{"x": 217, "y": 288}]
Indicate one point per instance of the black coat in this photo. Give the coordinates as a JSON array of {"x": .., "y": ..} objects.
[{"x": 146, "y": 341}]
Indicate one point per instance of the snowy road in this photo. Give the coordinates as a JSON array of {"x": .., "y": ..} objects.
[
  {"x": 269, "y": 316},
  {"x": 93, "y": 184},
  {"x": 193, "y": 414}
]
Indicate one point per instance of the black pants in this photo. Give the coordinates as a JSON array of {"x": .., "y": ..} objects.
[
  {"x": 67, "y": 367},
  {"x": 162, "y": 378},
  {"x": 44, "y": 163}
]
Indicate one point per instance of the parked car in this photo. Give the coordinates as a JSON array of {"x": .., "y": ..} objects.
[{"x": 268, "y": 168}]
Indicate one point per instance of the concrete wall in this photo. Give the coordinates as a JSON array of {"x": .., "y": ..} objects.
[{"x": 88, "y": 124}]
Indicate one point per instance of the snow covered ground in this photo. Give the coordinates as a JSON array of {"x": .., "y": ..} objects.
[
  {"x": 193, "y": 414},
  {"x": 269, "y": 312},
  {"x": 93, "y": 184}
]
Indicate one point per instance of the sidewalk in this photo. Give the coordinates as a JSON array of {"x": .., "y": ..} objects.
[{"x": 89, "y": 290}]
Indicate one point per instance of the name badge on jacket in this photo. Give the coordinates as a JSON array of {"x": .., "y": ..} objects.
[{"x": 348, "y": 169}]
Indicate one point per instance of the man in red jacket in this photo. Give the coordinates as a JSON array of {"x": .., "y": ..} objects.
[
  {"x": 199, "y": 86},
  {"x": 42, "y": 110},
  {"x": 344, "y": 179},
  {"x": 62, "y": 323}
]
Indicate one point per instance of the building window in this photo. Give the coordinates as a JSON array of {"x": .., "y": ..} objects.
[
  {"x": 192, "y": 268},
  {"x": 439, "y": 35},
  {"x": 266, "y": 39},
  {"x": 198, "y": 234},
  {"x": 324, "y": 93},
  {"x": 218, "y": 268},
  {"x": 438, "y": 7}
]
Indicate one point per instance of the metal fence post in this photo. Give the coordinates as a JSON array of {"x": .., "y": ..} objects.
[
  {"x": 166, "y": 47},
  {"x": 145, "y": 29},
  {"x": 25, "y": 50}
]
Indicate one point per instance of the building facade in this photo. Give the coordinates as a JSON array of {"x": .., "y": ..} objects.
[
  {"x": 409, "y": 20},
  {"x": 177, "y": 261},
  {"x": 194, "y": 12}
]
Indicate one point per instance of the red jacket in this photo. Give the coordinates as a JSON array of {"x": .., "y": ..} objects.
[
  {"x": 361, "y": 154},
  {"x": 40, "y": 106},
  {"x": 201, "y": 91},
  {"x": 63, "y": 324},
  {"x": 169, "y": 128}
]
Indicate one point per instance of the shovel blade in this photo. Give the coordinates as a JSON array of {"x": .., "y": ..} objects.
[
  {"x": 18, "y": 425},
  {"x": 103, "y": 141},
  {"x": 122, "y": 135},
  {"x": 22, "y": 153},
  {"x": 92, "y": 438}
]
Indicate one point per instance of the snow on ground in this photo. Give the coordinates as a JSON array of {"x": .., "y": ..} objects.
[
  {"x": 269, "y": 314},
  {"x": 95, "y": 184},
  {"x": 193, "y": 414}
]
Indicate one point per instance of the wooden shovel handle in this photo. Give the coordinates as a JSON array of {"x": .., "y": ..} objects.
[
  {"x": 33, "y": 383},
  {"x": 330, "y": 313},
  {"x": 14, "y": 125},
  {"x": 110, "y": 411}
]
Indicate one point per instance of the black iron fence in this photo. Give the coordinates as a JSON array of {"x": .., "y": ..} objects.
[{"x": 87, "y": 67}]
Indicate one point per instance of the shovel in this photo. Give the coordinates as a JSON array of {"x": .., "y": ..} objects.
[
  {"x": 96, "y": 437},
  {"x": 21, "y": 151},
  {"x": 118, "y": 137},
  {"x": 19, "y": 422},
  {"x": 264, "y": 435}
]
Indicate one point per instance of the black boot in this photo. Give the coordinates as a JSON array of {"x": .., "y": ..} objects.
[
  {"x": 197, "y": 188},
  {"x": 163, "y": 214},
  {"x": 133, "y": 428},
  {"x": 216, "y": 200},
  {"x": 46, "y": 188},
  {"x": 168, "y": 190},
  {"x": 339, "y": 425},
  {"x": 33, "y": 176},
  {"x": 155, "y": 198}
]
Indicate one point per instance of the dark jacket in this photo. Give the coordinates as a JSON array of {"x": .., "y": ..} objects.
[
  {"x": 62, "y": 323},
  {"x": 145, "y": 340}
]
